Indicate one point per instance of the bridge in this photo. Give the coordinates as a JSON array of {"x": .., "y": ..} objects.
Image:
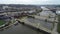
[
  {"x": 39, "y": 25},
  {"x": 36, "y": 25}
]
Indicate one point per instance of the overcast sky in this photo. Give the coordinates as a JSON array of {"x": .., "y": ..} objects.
[{"x": 35, "y": 2}]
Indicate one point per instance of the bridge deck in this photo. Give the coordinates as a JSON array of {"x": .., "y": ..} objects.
[{"x": 37, "y": 25}]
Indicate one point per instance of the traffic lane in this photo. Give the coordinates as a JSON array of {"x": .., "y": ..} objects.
[{"x": 43, "y": 23}]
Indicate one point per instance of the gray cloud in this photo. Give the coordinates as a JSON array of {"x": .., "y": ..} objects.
[{"x": 30, "y": 2}]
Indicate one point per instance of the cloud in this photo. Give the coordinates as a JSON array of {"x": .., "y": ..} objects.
[{"x": 30, "y": 2}]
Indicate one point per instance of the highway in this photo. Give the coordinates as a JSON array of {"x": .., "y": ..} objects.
[{"x": 43, "y": 23}]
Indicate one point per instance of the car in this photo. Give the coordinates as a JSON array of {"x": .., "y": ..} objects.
[{"x": 31, "y": 17}]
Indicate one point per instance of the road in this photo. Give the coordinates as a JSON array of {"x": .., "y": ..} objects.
[
  {"x": 55, "y": 29},
  {"x": 43, "y": 23}
]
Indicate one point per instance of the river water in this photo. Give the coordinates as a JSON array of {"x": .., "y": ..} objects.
[{"x": 20, "y": 29}]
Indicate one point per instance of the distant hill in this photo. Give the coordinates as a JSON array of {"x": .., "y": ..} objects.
[
  {"x": 17, "y": 5},
  {"x": 22, "y": 5}
]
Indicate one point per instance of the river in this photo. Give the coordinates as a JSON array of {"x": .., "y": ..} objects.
[{"x": 20, "y": 29}]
